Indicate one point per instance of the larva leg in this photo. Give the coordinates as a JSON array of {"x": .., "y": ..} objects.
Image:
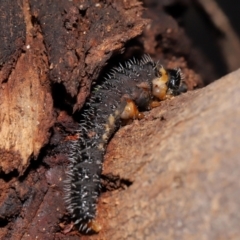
[
  {"x": 94, "y": 226},
  {"x": 131, "y": 111},
  {"x": 154, "y": 104}
]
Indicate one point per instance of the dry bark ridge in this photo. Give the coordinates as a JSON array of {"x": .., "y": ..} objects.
[
  {"x": 178, "y": 165},
  {"x": 181, "y": 166},
  {"x": 183, "y": 162},
  {"x": 47, "y": 42},
  {"x": 26, "y": 105},
  {"x": 44, "y": 43}
]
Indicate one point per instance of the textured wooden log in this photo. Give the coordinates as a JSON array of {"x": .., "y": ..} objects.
[
  {"x": 183, "y": 161},
  {"x": 178, "y": 169},
  {"x": 46, "y": 43},
  {"x": 171, "y": 164},
  {"x": 26, "y": 104}
]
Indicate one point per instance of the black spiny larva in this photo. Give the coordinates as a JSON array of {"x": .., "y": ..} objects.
[{"x": 124, "y": 93}]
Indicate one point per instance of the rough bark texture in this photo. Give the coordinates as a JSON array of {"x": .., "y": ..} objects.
[
  {"x": 183, "y": 163},
  {"x": 81, "y": 36},
  {"x": 171, "y": 175},
  {"x": 46, "y": 45},
  {"x": 26, "y": 104},
  {"x": 47, "y": 42}
]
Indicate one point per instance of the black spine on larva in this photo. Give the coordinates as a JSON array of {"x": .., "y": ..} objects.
[{"x": 101, "y": 118}]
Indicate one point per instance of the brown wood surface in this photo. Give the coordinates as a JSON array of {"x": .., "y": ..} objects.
[
  {"x": 172, "y": 175},
  {"x": 52, "y": 42},
  {"x": 183, "y": 161}
]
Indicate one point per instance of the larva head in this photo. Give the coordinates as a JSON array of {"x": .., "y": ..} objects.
[
  {"x": 167, "y": 82},
  {"x": 175, "y": 78}
]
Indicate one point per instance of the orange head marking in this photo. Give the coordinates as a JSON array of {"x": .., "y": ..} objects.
[
  {"x": 163, "y": 75},
  {"x": 159, "y": 84}
]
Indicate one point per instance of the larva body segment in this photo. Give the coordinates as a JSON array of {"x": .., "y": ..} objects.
[{"x": 125, "y": 88}]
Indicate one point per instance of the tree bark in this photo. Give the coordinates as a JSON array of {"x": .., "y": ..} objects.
[
  {"x": 45, "y": 43},
  {"x": 182, "y": 163},
  {"x": 166, "y": 176}
]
